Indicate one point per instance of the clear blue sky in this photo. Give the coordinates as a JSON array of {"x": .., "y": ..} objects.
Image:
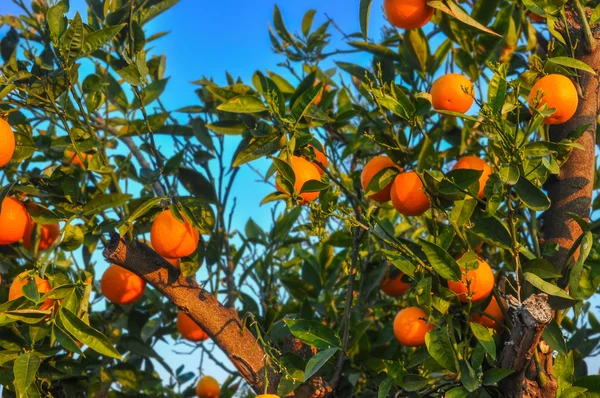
[{"x": 208, "y": 38}]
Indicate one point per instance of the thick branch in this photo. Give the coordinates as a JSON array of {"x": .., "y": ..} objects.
[{"x": 221, "y": 324}]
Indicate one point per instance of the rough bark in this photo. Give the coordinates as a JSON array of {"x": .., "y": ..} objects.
[
  {"x": 571, "y": 191},
  {"x": 222, "y": 324},
  {"x": 520, "y": 350}
]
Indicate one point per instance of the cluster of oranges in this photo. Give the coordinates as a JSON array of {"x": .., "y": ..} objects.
[{"x": 476, "y": 285}]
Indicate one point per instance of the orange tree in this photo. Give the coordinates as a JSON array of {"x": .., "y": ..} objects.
[{"x": 431, "y": 231}]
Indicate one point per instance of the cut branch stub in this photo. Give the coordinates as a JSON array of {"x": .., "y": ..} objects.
[
  {"x": 529, "y": 322},
  {"x": 222, "y": 324}
]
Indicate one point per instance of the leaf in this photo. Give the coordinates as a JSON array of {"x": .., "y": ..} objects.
[
  {"x": 72, "y": 41},
  {"x": 531, "y": 196},
  {"x": 441, "y": 261},
  {"x": 468, "y": 376},
  {"x": 440, "y": 348},
  {"x": 57, "y": 21},
  {"x": 314, "y": 186},
  {"x": 280, "y": 26},
  {"x": 462, "y": 210},
  {"x": 227, "y": 127},
  {"x": 307, "y": 21},
  {"x": 105, "y": 202},
  {"x": 285, "y": 170},
  {"x": 492, "y": 231},
  {"x": 591, "y": 382},
  {"x": 595, "y": 17},
  {"x": 577, "y": 270},
  {"x": 365, "y": 11},
  {"x": 416, "y": 48},
  {"x": 131, "y": 75},
  {"x": 550, "y": 289},
  {"x": 258, "y": 147},
  {"x": 97, "y": 39},
  {"x": 313, "y": 333},
  {"x": 376, "y": 49},
  {"x": 316, "y": 362},
  {"x": 72, "y": 237},
  {"x": 382, "y": 179},
  {"x": 86, "y": 334},
  {"x": 143, "y": 209},
  {"x": 482, "y": 334},
  {"x": 541, "y": 268},
  {"x": 25, "y": 369},
  {"x": 554, "y": 337},
  {"x": 456, "y": 12},
  {"x": 196, "y": 184},
  {"x": 497, "y": 92},
  {"x": 494, "y": 375},
  {"x": 150, "y": 93},
  {"x": 413, "y": 383},
  {"x": 385, "y": 387},
  {"x": 572, "y": 63},
  {"x": 243, "y": 104}
]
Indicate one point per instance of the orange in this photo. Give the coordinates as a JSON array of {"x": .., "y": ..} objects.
[
  {"x": 394, "y": 287},
  {"x": 267, "y": 396},
  {"x": 536, "y": 18},
  {"x": 7, "y": 142},
  {"x": 188, "y": 329},
  {"x": 448, "y": 93},
  {"x": 72, "y": 158},
  {"x": 558, "y": 92},
  {"x": 407, "y": 14},
  {"x": 319, "y": 96},
  {"x": 371, "y": 169},
  {"x": 208, "y": 387},
  {"x": 16, "y": 288},
  {"x": 121, "y": 286},
  {"x": 171, "y": 238},
  {"x": 475, "y": 163},
  {"x": 304, "y": 171},
  {"x": 410, "y": 327},
  {"x": 48, "y": 235},
  {"x": 480, "y": 283},
  {"x": 321, "y": 158},
  {"x": 13, "y": 221},
  {"x": 494, "y": 310},
  {"x": 407, "y": 194}
]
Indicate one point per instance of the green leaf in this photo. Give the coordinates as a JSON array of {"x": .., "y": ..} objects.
[
  {"x": 441, "y": 261},
  {"x": 307, "y": 21},
  {"x": 257, "y": 147},
  {"x": 497, "y": 91},
  {"x": 243, "y": 104},
  {"x": 105, "y": 202},
  {"x": 591, "y": 382},
  {"x": 280, "y": 28},
  {"x": 462, "y": 210},
  {"x": 457, "y": 392},
  {"x": 365, "y": 11},
  {"x": 491, "y": 230},
  {"x": 42, "y": 215},
  {"x": 97, "y": 39},
  {"x": 57, "y": 23},
  {"x": 25, "y": 369},
  {"x": 227, "y": 127},
  {"x": 554, "y": 337},
  {"x": 131, "y": 75},
  {"x": 143, "y": 209},
  {"x": 440, "y": 348},
  {"x": 314, "y": 186},
  {"x": 86, "y": 334},
  {"x": 196, "y": 184},
  {"x": 541, "y": 268},
  {"x": 72, "y": 41},
  {"x": 595, "y": 17},
  {"x": 482, "y": 334},
  {"x": 413, "y": 383},
  {"x": 376, "y": 49},
  {"x": 150, "y": 93},
  {"x": 313, "y": 333},
  {"x": 416, "y": 48},
  {"x": 382, "y": 179},
  {"x": 577, "y": 270},
  {"x": 316, "y": 362},
  {"x": 493, "y": 376},
  {"x": 25, "y": 147},
  {"x": 72, "y": 237},
  {"x": 572, "y": 63},
  {"x": 468, "y": 376},
  {"x": 65, "y": 340},
  {"x": 550, "y": 289},
  {"x": 285, "y": 170},
  {"x": 456, "y": 12},
  {"x": 532, "y": 197},
  {"x": 385, "y": 387}
]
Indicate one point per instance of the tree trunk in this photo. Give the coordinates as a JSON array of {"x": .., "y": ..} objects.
[{"x": 571, "y": 191}]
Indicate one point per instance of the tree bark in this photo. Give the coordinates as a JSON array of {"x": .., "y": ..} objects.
[{"x": 222, "y": 324}]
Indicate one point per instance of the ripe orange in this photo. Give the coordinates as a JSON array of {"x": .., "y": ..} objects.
[
  {"x": 304, "y": 171},
  {"x": 480, "y": 283},
  {"x": 267, "y": 396},
  {"x": 371, "y": 169},
  {"x": 319, "y": 96},
  {"x": 208, "y": 387},
  {"x": 72, "y": 158},
  {"x": 16, "y": 288},
  {"x": 121, "y": 286},
  {"x": 407, "y": 14},
  {"x": 394, "y": 287},
  {"x": 558, "y": 92},
  {"x": 321, "y": 158},
  {"x": 13, "y": 221},
  {"x": 448, "y": 93},
  {"x": 171, "y": 238},
  {"x": 188, "y": 329},
  {"x": 410, "y": 327},
  {"x": 7, "y": 142},
  {"x": 48, "y": 235},
  {"x": 494, "y": 310},
  {"x": 475, "y": 163},
  {"x": 407, "y": 194}
]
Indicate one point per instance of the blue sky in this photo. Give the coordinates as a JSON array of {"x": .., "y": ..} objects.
[{"x": 208, "y": 38}]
